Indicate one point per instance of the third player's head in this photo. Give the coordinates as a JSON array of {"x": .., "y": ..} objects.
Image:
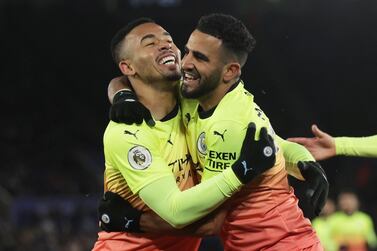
[
  {"x": 214, "y": 54},
  {"x": 144, "y": 51}
]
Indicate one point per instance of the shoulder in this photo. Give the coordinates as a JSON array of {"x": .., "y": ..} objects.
[{"x": 118, "y": 134}]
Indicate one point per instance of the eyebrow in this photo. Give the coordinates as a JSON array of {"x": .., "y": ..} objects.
[
  {"x": 165, "y": 33},
  {"x": 197, "y": 54}
]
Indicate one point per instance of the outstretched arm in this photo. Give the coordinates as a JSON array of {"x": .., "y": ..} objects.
[
  {"x": 357, "y": 146},
  {"x": 321, "y": 146}
]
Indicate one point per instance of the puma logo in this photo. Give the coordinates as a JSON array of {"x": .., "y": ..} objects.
[
  {"x": 220, "y": 134},
  {"x": 244, "y": 164},
  {"x": 131, "y": 133},
  {"x": 128, "y": 222},
  {"x": 169, "y": 140}
]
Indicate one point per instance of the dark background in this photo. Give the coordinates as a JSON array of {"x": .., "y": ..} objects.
[{"x": 315, "y": 62}]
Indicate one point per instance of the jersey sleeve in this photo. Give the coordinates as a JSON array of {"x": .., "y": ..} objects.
[
  {"x": 135, "y": 153},
  {"x": 293, "y": 153},
  {"x": 181, "y": 208},
  {"x": 356, "y": 146},
  {"x": 137, "y": 156}
]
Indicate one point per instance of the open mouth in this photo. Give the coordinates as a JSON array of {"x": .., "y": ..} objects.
[
  {"x": 167, "y": 60},
  {"x": 190, "y": 76}
]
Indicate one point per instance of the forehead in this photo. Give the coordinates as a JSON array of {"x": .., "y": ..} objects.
[
  {"x": 204, "y": 43},
  {"x": 144, "y": 29}
]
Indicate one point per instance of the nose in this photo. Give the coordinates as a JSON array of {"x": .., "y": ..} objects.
[
  {"x": 187, "y": 62},
  {"x": 165, "y": 45}
]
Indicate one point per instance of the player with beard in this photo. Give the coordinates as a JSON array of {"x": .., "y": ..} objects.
[
  {"x": 147, "y": 166},
  {"x": 265, "y": 214}
]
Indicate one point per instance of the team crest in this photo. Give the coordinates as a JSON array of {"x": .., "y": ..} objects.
[
  {"x": 201, "y": 143},
  {"x": 139, "y": 157}
]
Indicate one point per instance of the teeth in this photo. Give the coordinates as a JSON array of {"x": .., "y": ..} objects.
[
  {"x": 189, "y": 76},
  {"x": 167, "y": 60}
]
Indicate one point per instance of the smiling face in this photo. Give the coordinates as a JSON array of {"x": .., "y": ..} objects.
[
  {"x": 202, "y": 65},
  {"x": 149, "y": 54}
]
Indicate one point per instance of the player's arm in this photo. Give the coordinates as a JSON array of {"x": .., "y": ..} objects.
[
  {"x": 324, "y": 146},
  {"x": 113, "y": 210},
  {"x": 125, "y": 107},
  {"x": 356, "y": 146},
  {"x": 116, "y": 85},
  {"x": 293, "y": 153},
  {"x": 211, "y": 224},
  {"x": 321, "y": 146},
  {"x": 156, "y": 185}
]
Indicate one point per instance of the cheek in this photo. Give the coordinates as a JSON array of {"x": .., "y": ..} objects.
[{"x": 144, "y": 64}]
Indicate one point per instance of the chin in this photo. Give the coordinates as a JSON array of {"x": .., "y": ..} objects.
[
  {"x": 174, "y": 77},
  {"x": 188, "y": 94}
]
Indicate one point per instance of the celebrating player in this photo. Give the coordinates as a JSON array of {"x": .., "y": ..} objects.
[
  {"x": 264, "y": 214},
  {"x": 140, "y": 159}
]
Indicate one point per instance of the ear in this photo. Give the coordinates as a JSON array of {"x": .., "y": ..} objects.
[
  {"x": 231, "y": 71},
  {"x": 126, "y": 68}
]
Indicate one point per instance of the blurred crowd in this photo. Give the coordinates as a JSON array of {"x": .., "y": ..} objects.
[{"x": 343, "y": 227}]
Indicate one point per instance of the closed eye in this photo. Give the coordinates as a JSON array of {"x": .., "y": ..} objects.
[{"x": 200, "y": 56}]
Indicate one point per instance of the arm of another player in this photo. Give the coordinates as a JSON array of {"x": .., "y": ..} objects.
[
  {"x": 156, "y": 185},
  {"x": 113, "y": 210},
  {"x": 192, "y": 204},
  {"x": 293, "y": 153},
  {"x": 211, "y": 224},
  {"x": 356, "y": 146},
  {"x": 125, "y": 106},
  {"x": 324, "y": 146}
]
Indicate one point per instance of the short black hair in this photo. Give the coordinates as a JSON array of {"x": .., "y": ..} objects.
[
  {"x": 122, "y": 33},
  {"x": 233, "y": 33}
]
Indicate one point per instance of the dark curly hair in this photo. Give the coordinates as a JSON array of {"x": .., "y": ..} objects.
[
  {"x": 235, "y": 36},
  {"x": 122, "y": 33}
]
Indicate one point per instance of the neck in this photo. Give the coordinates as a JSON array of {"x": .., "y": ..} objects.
[
  {"x": 213, "y": 98},
  {"x": 159, "y": 102}
]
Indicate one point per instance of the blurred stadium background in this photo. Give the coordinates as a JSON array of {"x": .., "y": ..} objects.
[{"x": 315, "y": 62}]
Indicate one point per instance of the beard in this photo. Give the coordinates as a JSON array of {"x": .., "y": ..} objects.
[
  {"x": 204, "y": 87},
  {"x": 174, "y": 76}
]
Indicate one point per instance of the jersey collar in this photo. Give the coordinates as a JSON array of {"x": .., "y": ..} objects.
[
  {"x": 207, "y": 114},
  {"x": 171, "y": 114}
]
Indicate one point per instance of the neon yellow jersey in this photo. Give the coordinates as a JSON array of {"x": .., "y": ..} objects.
[
  {"x": 266, "y": 206},
  {"x": 357, "y": 146},
  {"x": 322, "y": 226},
  {"x": 136, "y": 155},
  {"x": 353, "y": 231},
  {"x": 215, "y": 137}
]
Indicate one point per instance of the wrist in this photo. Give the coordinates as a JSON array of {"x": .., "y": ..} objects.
[{"x": 123, "y": 94}]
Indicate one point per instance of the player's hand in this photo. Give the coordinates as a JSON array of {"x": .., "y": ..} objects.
[
  {"x": 127, "y": 109},
  {"x": 322, "y": 146},
  {"x": 117, "y": 215},
  {"x": 317, "y": 184},
  {"x": 256, "y": 156}
]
